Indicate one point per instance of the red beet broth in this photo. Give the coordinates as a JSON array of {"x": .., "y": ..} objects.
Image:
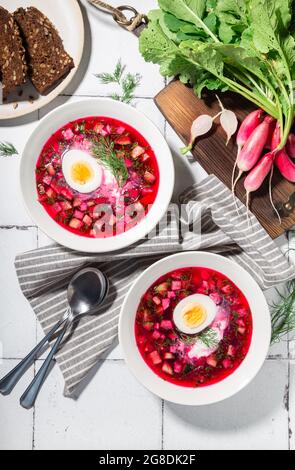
[
  {"x": 166, "y": 350},
  {"x": 98, "y": 214}
]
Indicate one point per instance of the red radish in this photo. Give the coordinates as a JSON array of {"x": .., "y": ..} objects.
[
  {"x": 276, "y": 137},
  {"x": 290, "y": 147},
  {"x": 251, "y": 151},
  {"x": 201, "y": 126},
  {"x": 228, "y": 121},
  {"x": 272, "y": 127},
  {"x": 248, "y": 126},
  {"x": 282, "y": 160},
  {"x": 258, "y": 174},
  {"x": 285, "y": 165}
]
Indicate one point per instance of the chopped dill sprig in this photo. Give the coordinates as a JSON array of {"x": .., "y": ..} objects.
[
  {"x": 7, "y": 149},
  {"x": 128, "y": 83},
  {"x": 283, "y": 313},
  {"x": 115, "y": 77},
  {"x": 105, "y": 152},
  {"x": 209, "y": 338}
]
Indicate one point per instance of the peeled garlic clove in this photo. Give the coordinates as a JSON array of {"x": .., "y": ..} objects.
[
  {"x": 200, "y": 126},
  {"x": 229, "y": 123}
]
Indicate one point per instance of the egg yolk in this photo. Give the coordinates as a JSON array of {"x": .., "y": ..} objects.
[
  {"x": 81, "y": 173},
  {"x": 194, "y": 314}
]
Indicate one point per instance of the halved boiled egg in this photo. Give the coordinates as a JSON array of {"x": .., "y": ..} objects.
[
  {"x": 194, "y": 313},
  {"x": 81, "y": 171}
]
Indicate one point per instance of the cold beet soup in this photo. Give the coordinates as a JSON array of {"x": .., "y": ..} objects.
[
  {"x": 172, "y": 331},
  {"x": 97, "y": 177}
]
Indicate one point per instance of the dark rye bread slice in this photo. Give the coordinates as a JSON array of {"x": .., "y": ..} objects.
[
  {"x": 47, "y": 59},
  {"x": 13, "y": 68}
]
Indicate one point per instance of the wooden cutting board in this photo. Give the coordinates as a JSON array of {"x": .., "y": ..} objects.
[{"x": 180, "y": 107}]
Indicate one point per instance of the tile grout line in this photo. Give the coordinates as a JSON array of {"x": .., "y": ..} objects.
[{"x": 135, "y": 97}]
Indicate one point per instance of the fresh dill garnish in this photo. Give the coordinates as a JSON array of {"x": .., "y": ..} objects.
[
  {"x": 115, "y": 77},
  {"x": 187, "y": 339},
  {"x": 209, "y": 338},
  {"x": 283, "y": 313},
  {"x": 104, "y": 151},
  {"x": 7, "y": 149},
  {"x": 128, "y": 83}
]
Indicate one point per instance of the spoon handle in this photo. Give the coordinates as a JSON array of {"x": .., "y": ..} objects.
[
  {"x": 8, "y": 383},
  {"x": 28, "y": 398}
]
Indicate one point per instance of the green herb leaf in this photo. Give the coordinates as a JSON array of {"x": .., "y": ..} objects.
[
  {"x": 188, "y": 38},
  {"x": 105, "y": 152},
  {"x": 209, "y": 338},
  {"x": 283, "y": 313},
  {"x": 7, "y": 149},
  {"x": 128, "y": 83}
]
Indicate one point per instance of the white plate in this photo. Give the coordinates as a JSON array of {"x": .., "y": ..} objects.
[
  {"x": 67, "y": 17},
  {"x": 247, "y": 369},
  {"x": 95, "y": 107}
]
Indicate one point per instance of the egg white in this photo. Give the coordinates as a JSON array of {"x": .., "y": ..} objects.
[
  {"x": 74, "y": 156},
  {"x": 208, "y": 305}
]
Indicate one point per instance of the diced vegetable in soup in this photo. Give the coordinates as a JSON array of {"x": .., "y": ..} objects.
[
  {"x": 97, "y": 177},
  {"x": 165, "y": 337}
]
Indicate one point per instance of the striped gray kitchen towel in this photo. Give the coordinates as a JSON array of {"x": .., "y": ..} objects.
[{"x": 210, "y": 222}]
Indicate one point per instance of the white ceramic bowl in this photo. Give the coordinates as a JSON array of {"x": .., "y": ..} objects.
[
  {"x": 95, "y": 107},
  {"x": 247, "y": 369}
]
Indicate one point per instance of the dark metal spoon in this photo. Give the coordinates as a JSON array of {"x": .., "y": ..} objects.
[{"x": 86, "y": 291}]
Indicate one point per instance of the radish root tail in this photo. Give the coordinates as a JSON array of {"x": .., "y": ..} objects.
[
  {"x": 233, "y": 185},
  {"x": 271, "y": 198}
]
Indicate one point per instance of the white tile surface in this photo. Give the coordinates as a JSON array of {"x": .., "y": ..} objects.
[
  {"x": 291, "y": 404},
  {"x": 13, "y": 211},
  {"x": 17, "y": 320},
  {"x": 105, "y": 44},
  {"x": 16, "y": 424},
  {"x": 114, "y": 412},
  {"x": 256, "y": 418},
  {"x": 106, "y": 415}
]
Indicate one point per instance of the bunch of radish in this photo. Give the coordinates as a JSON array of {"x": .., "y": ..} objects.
[{"x": 258, "y": 133}]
